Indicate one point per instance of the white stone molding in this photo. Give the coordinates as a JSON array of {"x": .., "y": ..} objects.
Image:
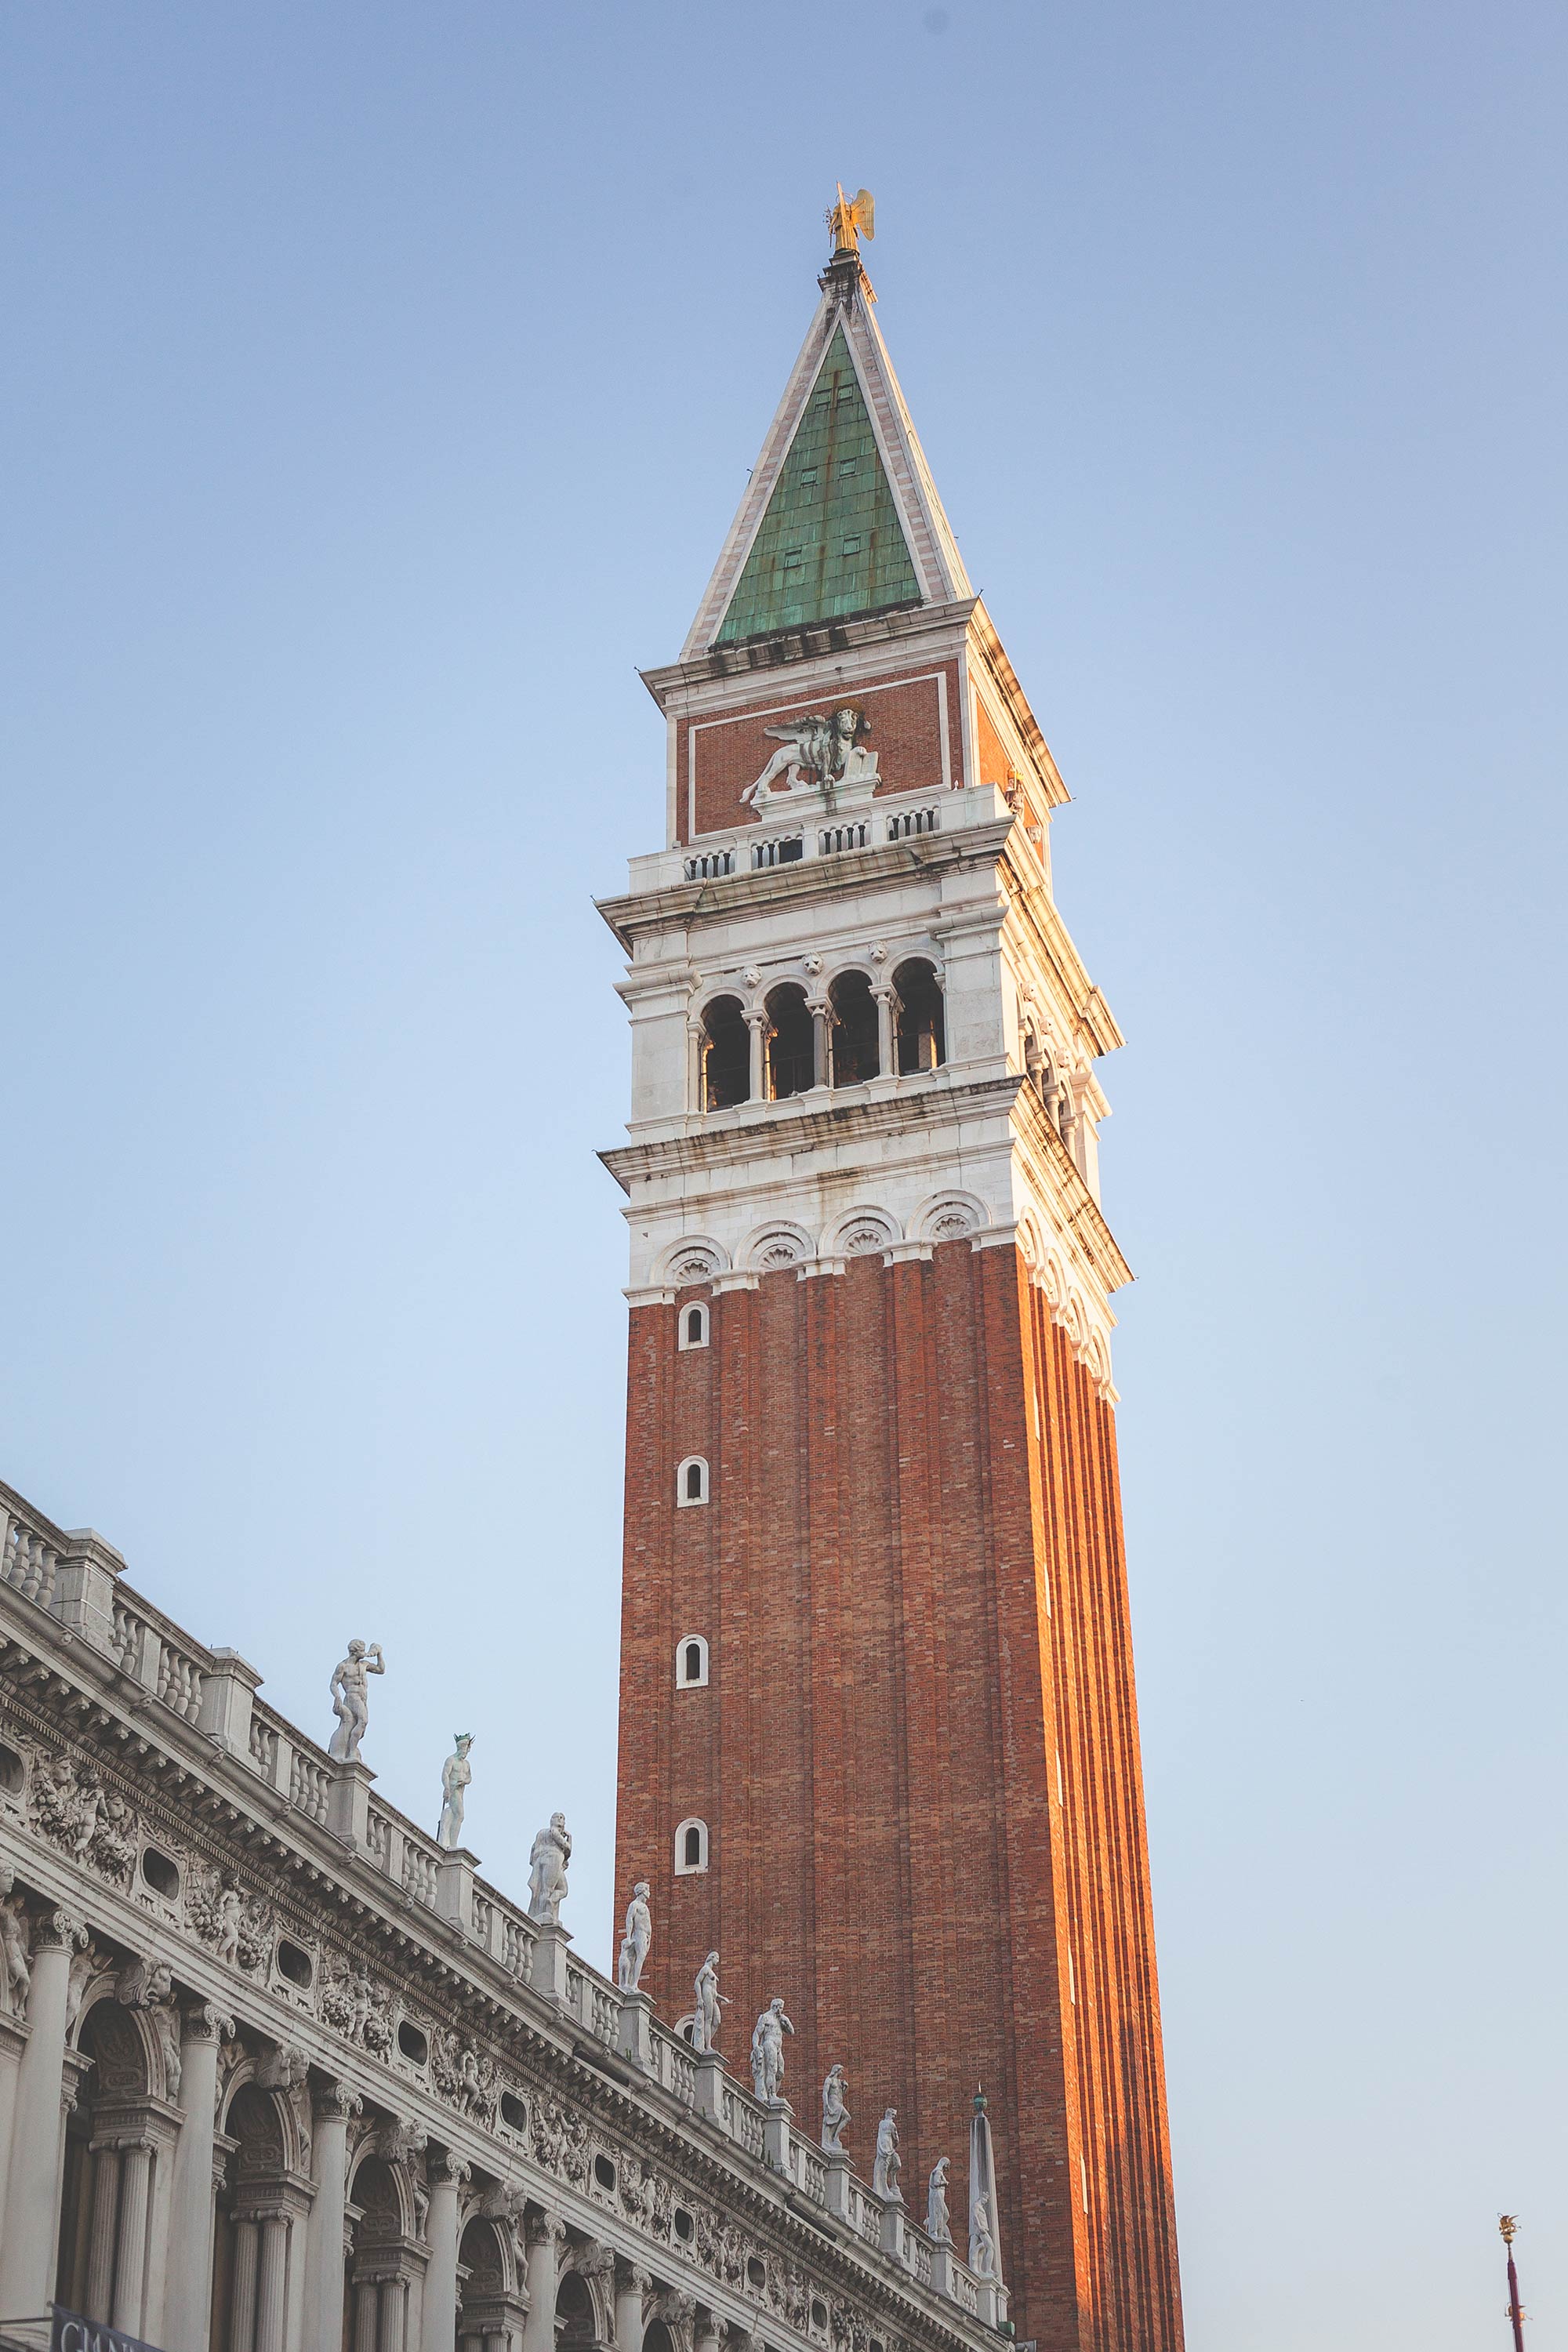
[
  {"x": 685, "y": 1842},
  {"x": 949, "y": 1216},
  {"x": 865, "y": 1232},
  {"x": 684, "y": 1680},
  {"x": 777, "y": 1244},
  {"x": 693, "y": 1258}
]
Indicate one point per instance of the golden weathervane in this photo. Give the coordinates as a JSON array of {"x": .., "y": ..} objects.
[{"x": 850, "y": 220}]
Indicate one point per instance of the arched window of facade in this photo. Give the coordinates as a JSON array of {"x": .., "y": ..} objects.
[
  {"x": 790, "y": 1053},
  {"x": 691, "y": 1481},
  {"x": 692, "y": 1662},
  {"x": 726, "y": 1055},
  {"x": 857, "y": 1054},
  {"x": 922, "y": 1034},
  {"x": 690, "y": 1848},
  {"x": 693, "y": 1325}
]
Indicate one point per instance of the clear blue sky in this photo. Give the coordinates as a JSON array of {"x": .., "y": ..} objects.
[{"x": 378, "y": 385}]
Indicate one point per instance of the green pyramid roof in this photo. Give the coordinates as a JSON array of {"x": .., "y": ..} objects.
[{"x": 830, "y": 543}]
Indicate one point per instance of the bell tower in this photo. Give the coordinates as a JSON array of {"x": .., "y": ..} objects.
[{"x": 878, "y": 1738}]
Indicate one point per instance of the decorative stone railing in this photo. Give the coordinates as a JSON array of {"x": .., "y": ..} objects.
[
  {"x": 76, "y": 1579},
  {"x": 803, "y": 832}
]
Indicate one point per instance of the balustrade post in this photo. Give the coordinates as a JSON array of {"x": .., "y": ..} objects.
[
  {"x": 32, "y": 2194},
  {"x": 226, "y": 1692},
  {"x": 548, "y": 1974},
  {"x": 455, "y": 1888},
  {"x": 708, "y": 2097},
  {"x": 85, "y": 1579},
  {"x": 348, "y": 1803}
]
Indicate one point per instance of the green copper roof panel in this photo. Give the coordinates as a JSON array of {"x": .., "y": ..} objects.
[{"x": 830, "y": 543}]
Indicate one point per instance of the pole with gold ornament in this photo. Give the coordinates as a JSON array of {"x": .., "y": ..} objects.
[{"x": 1507, "y": 2224}]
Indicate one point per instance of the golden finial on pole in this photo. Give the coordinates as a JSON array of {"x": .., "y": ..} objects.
[
  {"x": 1507, "y": 2224},
  {"x": 850, "y": 220}
]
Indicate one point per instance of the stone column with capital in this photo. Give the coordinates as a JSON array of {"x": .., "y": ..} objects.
[
  {"x": 130, "y": 2258},
  {"x": 100, "y": 2285},
  {"x": 331, "y": 2105},
  {"x": 887, "y": 1059},
  {"x": 759, "y": 1025},
  {"x": 13, "y": 2041},
  {"x": 821, "y": 1042},
  {"x": 447, "y": 2176},
  {"x": 546, "y": 2235},
  {"x": 242, "y": 2295},
  {"x": 633, "y": 2287},
  {"x": 272, "y": 2275},
  {"x": 188, "y": 2300},
  {"x": 32, "y": 2193}
]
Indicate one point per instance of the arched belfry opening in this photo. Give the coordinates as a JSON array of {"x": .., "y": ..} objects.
[
  {"x": 919, "y": 1026},
  {"x": 856, "y": 1053},
  {"x": 791, "y": 1051},
  {"x": 726, "y": 1055}
]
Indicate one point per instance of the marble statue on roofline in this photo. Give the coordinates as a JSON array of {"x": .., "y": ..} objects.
[
  {"x": 834, "y": 2114},
  {"x": 885, "y": 2170},
  {"x": 709, "y": 2001},
  {"x": 455, "y": 1774},
  {"x": 351, "y": 1698},
  {"x": 767, "y": 2051},
  {"x": 938, "y": 2225},
  {"x": 548, "y": 1858},
  {"x": 638, "y": 1936},
  {"x": 982, "y": 2241}
]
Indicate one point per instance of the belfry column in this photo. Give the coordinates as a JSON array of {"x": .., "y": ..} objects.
[
  {"x": 27, "y": 2240},
  {"x": 188, "y": 2308}
]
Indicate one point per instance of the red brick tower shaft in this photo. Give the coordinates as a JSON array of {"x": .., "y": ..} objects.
[{"x": 878, "y": 1736}]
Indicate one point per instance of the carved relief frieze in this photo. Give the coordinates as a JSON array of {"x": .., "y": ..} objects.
[{"x": 239, "y": 1926}]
